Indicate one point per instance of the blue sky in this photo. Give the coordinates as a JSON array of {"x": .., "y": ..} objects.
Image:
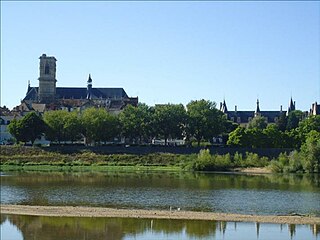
[{"x": 168, "y": 52}]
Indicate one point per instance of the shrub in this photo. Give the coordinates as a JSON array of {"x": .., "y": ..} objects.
[{"x": 295, "y": 163}]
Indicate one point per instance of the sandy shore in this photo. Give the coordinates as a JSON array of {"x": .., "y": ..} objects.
[
  {"x": 69, "y": 211},
  {"x": 253, "y": 170}
]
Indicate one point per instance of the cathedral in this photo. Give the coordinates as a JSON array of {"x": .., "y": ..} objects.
[{"x": 49, "y": 97}]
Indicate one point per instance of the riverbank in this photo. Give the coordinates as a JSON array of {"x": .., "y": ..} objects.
[
  {"x": 69, "y": 211},
  {"x": 20, "y": 158}
]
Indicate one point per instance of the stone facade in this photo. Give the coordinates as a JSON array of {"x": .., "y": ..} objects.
[{"x": 47, "y": 79}]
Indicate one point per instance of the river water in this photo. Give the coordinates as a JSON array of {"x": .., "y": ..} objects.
[
  {"x": 15, "y": 227},
  {"x": 216, "y": 192}
]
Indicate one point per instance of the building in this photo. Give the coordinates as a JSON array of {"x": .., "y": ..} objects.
[
  {"x": 315, "y": 109},
  {"x": 244, "y": 117},
  {"x": 6, "y": 116},
  {"x": 47, "y": 96}
]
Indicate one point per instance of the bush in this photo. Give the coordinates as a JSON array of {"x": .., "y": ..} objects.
[
  {"x": 295, "y": 163},
  {"x": 253, "y": 160},
  {"x": 238, "y": 160},
  {"x": 206, "y": 162}
]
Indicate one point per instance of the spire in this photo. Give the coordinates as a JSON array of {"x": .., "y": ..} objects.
[
  {"x": 29, "y": 88},
  {"x": 258, "y": 108},
  {"x": 292, "y": 105},
  {"x": 89, "y": 79},
  {"x": 223, "y": 107},
  {"x": 89, "y": 87}
]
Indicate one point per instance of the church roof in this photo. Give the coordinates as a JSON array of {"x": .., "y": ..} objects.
[{"x": 81, "y": 93}]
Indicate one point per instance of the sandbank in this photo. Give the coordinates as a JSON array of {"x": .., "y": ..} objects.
[{"x": 79, "y": 211}]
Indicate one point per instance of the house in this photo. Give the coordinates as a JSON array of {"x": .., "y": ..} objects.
[
  {"x": 244, "y": 117},
  {"x": 5, "y": 136}
]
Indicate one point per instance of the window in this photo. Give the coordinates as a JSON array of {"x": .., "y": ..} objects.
[
  {"x": 239, "y": 120},
  {"x": 276, "y": 119},
  {"x": 47, "y": 69},
  {"x": 249, "y": 119},
  {"x": 232, "y": 119}
]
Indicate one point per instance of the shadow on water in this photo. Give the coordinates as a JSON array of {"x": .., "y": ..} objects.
[{"x": 63, "y": 228}]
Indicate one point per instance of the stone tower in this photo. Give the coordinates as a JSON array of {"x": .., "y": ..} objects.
[{"x": 47, "y": 79}]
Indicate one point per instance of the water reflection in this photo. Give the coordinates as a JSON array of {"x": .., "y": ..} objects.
[
  {"x": 63, "y": 228},
  {"x": 233, "y": 193}
]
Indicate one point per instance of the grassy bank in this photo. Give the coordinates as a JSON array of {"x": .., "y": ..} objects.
[
  {"x": 33, "y": 158},
  {"x": 38, "y": 159}
]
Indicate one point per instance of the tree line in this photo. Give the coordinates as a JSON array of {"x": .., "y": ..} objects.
[{"x": 199, "y": 121}]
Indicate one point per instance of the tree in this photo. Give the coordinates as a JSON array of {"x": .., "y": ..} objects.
[
  {"x": 28, "y": 128},
  {"x": 294, "y": 118},
  {"x": 256, "y": 138},
  {"x": 15, "y": 129},
  {"x": 238, "y": 137},
  {"x": 204, "y": 120},
  {"x": 135, "y": 121},
  {"x": 99, "y": 125},
  {"x": 258, "y": 122},
  {"x": 274, "y": 137},
  {"x": 249, "y": 137},
  {"x": 311, "y": 152},
  {"x": 307, "y": 125},
  {"x": 282, "y": 122},
  {"x": 72, "y": 126},
  {"x": 169, "y": 120},
  {"x": 55, "y": 121}
]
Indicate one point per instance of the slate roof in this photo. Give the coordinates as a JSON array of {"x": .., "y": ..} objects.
[
  {"x": 245, "y": 115},
  {"x": 80, "y": 93}
]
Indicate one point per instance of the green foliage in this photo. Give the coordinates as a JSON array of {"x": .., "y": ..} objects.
[
  {"x": 28, "y": 128},
  {"x": 55, "y": 125},
  {"x": 282, "y": 122},
  {"x": 310, "y": 150},
  {"x": 169, "y": 121},
  {"x": 293, "y": 119},
  {"x": 307, "y": 160},
  {"x": 99, "y": 125},
  {"x": 253, "y": 160},
  {"x": 258, "y": 122},
  {"x": 204, "y": 120},
  {"x": 136, "y": 122},
  {"x": 207, "y": 162},
  {"x": 295, "y": 162},
  {"x": 238, "y": 137},
  {"x": 72, "y": 126},
  {"x": 202, "y": 144}
]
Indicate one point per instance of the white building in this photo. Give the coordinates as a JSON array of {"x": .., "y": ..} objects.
[{"x": 5, "y": 136}]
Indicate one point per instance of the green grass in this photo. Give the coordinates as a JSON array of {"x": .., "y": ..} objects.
[{"x": 50, "y": 168}]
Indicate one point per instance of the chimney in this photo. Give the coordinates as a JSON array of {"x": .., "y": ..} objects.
[
  {"x": 235, "y": 108},
  {"x": 220, "y": 106},
  {"x": 280, "y": 108}
]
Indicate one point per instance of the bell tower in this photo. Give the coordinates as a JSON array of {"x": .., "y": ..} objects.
[{"x": 47, "y": 79}]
